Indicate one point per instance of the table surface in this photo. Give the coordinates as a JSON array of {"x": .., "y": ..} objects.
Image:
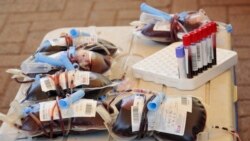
[{"x": 217, "y": 94}]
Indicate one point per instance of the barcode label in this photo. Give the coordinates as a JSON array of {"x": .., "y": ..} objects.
[
  {"x": 194, "y": 58},
  {"x": 135, "y": 115},
  {"x": 136, "y": 112},
  {"x": 81, "y": 78},
  {"x": 199, "y": 56},
  {"x": 47, "y": 84},
  {"x": 81, "y": 108},
  {"x": 204, "y": 52},
  {"x": 198, "y": 53},
  {"x": 209, "y": 55},
  {"x": 186, "y": 60},
  {"x": 184, "y": 100},
  {"x": 88, "y": 108}
]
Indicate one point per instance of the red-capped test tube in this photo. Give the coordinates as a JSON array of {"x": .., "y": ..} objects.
[
  {"x": 204, "y": 47},
  {"x": 214, "y": 30},
  {"x": 209, "y": 45},
  {"x": 193, "y": 48},
  {"x": 199, "y": 50},
  {"x": 188, "y": 60}
]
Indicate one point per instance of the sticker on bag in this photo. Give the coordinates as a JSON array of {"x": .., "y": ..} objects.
[
  {"x": 136, "y": 112},
  {"x": 81, "y": 108},
  {"x": 169, "y": 118},
  {"x": 47, "y": 84}
]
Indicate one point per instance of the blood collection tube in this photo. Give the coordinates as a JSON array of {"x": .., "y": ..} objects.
[
  {"x": 204, "y": 48},
  {"x": 214, "y": 30},
  {"x": 188, "y": 59},
  {"x": 199, "y": 51},
  {"x": 180, "y": 55},
  {"x": 209, "y": 45},
  {"x": 194, "y": 52}
]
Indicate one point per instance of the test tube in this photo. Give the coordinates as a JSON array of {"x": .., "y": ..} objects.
[
  {"x": 180, "y": 55},
  {"x": 65, "y": 103},
  {"x": 214, "y": 30},
  {"x": 155, "y": 103},
  {"x": 148, "y": 9},
  {"x": 204, "y": 47},
  {"x": 194, "y": 53},
  {"x": 188, "y": 60},
  {"x": 209, "y": 45},
  {"x": 199, "y": 51}
]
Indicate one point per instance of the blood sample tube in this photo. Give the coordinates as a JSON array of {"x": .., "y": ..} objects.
[
  {"x": 188, "y": 58},
  {"x": 193, "y": 48},
  {"x": 209, "y": 45},
  {"x": 204, "y": 47},
  {"x": 199, "y": 51},
  {"x": 214, "y": 30}
]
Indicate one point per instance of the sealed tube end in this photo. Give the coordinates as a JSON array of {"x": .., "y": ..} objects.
[
  {"x": 74, "y": 33},
  {"x": 155, "y": 103},
  {"x": 65, "y": 103}
]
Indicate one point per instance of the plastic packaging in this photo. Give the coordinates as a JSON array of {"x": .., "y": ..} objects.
[
  {"x": 150, "y": 18},
  {"x": 45, "y": 59},
  {"x": 66, "y": 102},
  {"x": 148, "y": 9},
  {"x": 38, "y": 67}
]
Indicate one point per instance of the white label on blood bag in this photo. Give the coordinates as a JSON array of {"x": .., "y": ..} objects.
[
  {"x": 58, "y": 42},
  {"x": 170, "y": 117},
  {"x": 81, "y": 78},
  {"x": 151, "y": 120},
  {"x": 136, "y": 112},
  {"x": 78, "y": 78},
  {"x": 47, "y": 84},
  {"x": 161, "y": 26},
  {"x": 186, "y": 102},
  {"x": 62, "y": 81},
  {"x": 81, "y": 108}
]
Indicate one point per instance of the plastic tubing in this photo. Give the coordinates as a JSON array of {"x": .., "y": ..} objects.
[
  {"x": 66, "y": 62},
  {"x": 44, "y": 59},
  {"x": 66, "y": 102},
  {"x": 155, "y": 103},
  {"x": 148, "y": 9}
]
